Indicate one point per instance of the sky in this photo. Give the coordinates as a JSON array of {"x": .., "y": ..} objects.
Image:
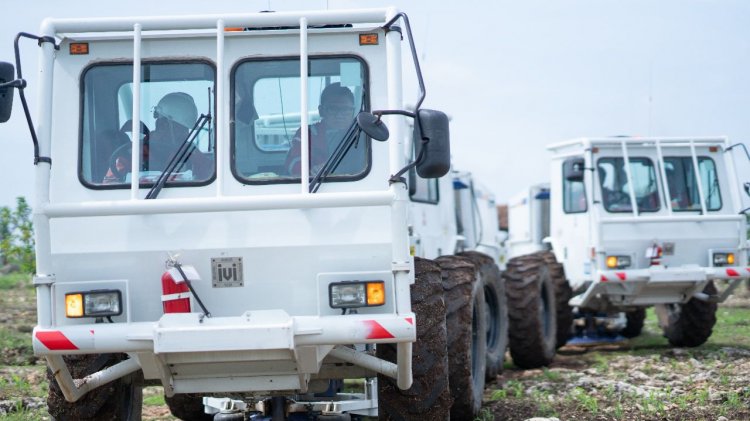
[{"x": 514, "y": 76}]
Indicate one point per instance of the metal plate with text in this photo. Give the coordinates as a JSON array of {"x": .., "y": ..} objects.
[{"x": 226, "y": 272}]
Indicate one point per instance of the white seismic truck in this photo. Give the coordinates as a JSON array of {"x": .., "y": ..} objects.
[
  {"x": 185, "y": 250},
  {"x": 625, "y": 223}
]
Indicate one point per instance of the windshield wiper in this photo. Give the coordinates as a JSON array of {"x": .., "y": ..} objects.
[
  {"x": 180, "y": 156},
  {"x": 350, "y": 138}
]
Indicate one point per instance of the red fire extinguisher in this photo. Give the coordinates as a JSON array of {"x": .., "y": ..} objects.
[{"x": 175, "y": 292}]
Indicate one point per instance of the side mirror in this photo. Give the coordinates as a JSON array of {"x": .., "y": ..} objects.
[
  {"x": 6, "y": 93},
  {"x": 373, "y": 126},
  {"x": 573, "y": 169},
  {"x": 432, "y": 141},
  {"x": 746, "y": 186}
]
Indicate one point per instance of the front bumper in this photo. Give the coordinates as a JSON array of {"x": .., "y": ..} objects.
[
  {"x": 260, "y": 351},
  {"x": 656, "y": 285},
  {"x": 254, "y": 330}
]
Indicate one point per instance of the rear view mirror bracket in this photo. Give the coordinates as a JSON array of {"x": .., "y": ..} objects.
[{"x": 20, "y": 84}]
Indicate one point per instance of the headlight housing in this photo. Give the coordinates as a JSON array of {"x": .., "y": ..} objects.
[
  {"x": 353, "y": 294},
  {"x": 101, "y": 303},
  {"x": 723, "y": 259},
  {"x": 618, "y": 262}
]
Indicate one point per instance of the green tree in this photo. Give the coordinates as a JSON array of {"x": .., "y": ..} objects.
[
  {"x": 17, "y": 236},
  {"x": 6, "y": 237}
]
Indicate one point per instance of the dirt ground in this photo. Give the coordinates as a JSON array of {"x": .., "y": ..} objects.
[{"x": 639, "y": 379}]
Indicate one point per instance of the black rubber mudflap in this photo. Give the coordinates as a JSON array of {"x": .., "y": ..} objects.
[
  {"x": 429, "y": 397},
  {"x": 532, "y": 311},
  {"x": 693, "y": 322},
  {"x": 465, "y": 320}
]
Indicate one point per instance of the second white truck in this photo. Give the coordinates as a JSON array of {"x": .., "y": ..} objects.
[{"x": 625, "y": 224}]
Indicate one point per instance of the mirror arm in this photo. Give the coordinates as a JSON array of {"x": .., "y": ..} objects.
[
  {"x": 380, "y": 113},
  {"x": 742, "y": 145},
  {"x": 414, "y": 57},
  {"x": 398, "y": 177},
  {"x": 20, "y": 84}
]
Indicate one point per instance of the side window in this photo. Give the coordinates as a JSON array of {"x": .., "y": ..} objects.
[
  {"x": 683, "y": 186},
  {"x": 266, "y": 139},
  {"x": 173, "y": 97},
  {"x": 616, "y": 190},
  {"x": 574, "y": 192}
]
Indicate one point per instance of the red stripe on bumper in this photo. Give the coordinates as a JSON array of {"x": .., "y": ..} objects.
[
  {"x": 54, "y": 340},
  {"x": 377, "y": 331},
  {"x": 621, "y": 275},
  {"x": 410, "y": 320},
  {"x": 732, "y": 272}
]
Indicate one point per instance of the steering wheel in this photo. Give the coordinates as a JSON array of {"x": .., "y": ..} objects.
[
  {"x": 119, "y": 161},
  {"x": 154, "y": 157},
  {"x": 617, "y": 197}
]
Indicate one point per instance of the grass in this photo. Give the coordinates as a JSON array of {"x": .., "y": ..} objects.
[
  {"x": 15, "y": 280},
  {"x": 732, "y": 328},
  {"x": 484, "y": 415},
  {"x": 18, "y": 304},
  {"x": 552, "y": 376},
  {"x": 27, "y": 415},
  {"x": 585, "y": 400},
  {"x": 695, "y": 395},
  {"x": 156, "y": 399},
  {"x": 22, "y": 382}
]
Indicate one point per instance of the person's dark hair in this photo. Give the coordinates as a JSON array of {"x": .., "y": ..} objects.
[{"x": 335, "y": 90}]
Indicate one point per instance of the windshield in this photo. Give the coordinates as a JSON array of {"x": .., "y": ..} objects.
[
  {"x": 267, "y": 117},
  {"x": 683, "y": 187},
  {"x": 173, "y": 96},
  {"x": 615, "y": 188}
]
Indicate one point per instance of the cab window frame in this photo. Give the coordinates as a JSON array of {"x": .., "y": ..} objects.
[
  {"x": 81, "y": 110},
  {"x": 283, "y": 179}
]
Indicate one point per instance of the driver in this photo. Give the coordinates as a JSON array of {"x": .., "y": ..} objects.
[
  {"x": 175, "y": 116},
  {"x": 336, "y": 111}
]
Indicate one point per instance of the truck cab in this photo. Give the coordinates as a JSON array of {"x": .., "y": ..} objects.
[{"x": 648, "y": 220}]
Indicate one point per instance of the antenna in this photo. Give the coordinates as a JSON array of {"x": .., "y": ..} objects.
[{"x": 650, "y": 94}]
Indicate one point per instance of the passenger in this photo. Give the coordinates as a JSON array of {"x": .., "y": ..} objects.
[
  {"x": 336, "y": 111},
  {"x": 175, "y": 116}
]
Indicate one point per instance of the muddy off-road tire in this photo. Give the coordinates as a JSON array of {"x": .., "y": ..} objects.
[
  {"x": 429, "y": 397},
  {"x": 532, "y": 312},
  {"x": 466, "y": 323},
  {"x": 496, "y": 309},
  {"x": 187, "y": 407},
  {"x": 634, "y": 326},
  {"x": 563, "y": 294},
  {"x": 691, "y": 324},
  {"x": 120, "y": 400}
]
